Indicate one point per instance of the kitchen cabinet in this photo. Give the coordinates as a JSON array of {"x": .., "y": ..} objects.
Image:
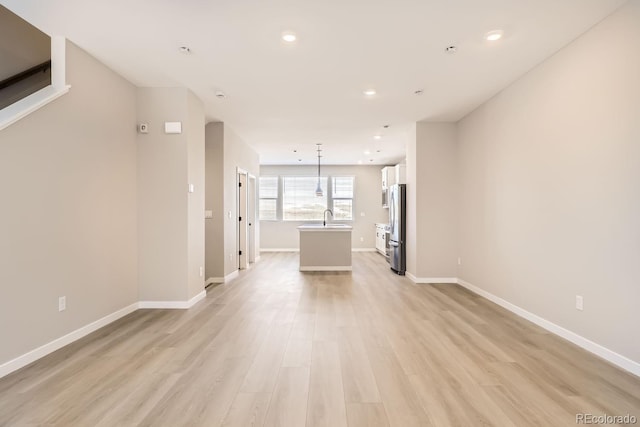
[
  {"x": 388, "y": 177},
  {"x": 381, "y": 238},
  {"x": 392, "y": 175},
  {"x": 325, "y": 247}
]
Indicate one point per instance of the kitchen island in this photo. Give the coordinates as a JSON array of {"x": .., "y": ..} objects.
[{"x": 325, "y": 247}]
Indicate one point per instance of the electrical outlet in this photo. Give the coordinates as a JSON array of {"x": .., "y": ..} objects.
[
  {"x": 230, "y": 256},
  {"x": 579, "y": 303},
  {"x": 459, "y": 261},
  {"x": 362, "y": 239},
  {"x": 62, "y": 303},
  {"x": 201, "y": 271}
]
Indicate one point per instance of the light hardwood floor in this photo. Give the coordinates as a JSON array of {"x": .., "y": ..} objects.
[{"x": 277, "y": 347}]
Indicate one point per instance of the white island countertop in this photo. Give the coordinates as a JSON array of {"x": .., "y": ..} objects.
[{"x": 328, "y": 227}]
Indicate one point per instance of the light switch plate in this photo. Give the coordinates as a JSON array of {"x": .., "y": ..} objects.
[{"x": 208, "y": 214}]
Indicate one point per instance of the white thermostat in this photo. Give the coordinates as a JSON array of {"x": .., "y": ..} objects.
[{"x": 172, "y": 127}]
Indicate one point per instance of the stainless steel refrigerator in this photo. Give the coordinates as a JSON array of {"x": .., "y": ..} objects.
[{"x": 398, "y": 228}]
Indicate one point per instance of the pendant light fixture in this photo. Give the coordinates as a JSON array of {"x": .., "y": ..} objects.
[{"x": 319, "y": 187}]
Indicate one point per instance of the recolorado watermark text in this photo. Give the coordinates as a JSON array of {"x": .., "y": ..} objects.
[{"x": 605, "y": 419}]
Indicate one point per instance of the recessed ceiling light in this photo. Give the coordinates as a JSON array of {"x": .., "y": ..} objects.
[
  {"x": 369, "y": 92},
  {"x": 295, "y": 151},
  {"x": 451, "y": 49},
  {"x": 377, "y": 137},
  {"x": 359, "y": 162},
  {"x": 367, "y": 152},
  {"x": 220, "y": 94},
  {"x": 185, "y": 49},
  {"x": 386, "y": 126},
  {"x": 377, "y": 151},
  {"x": 418, "y": 92},
  {"x": 494, "y": 35},
  {"x": 371, "y": 160},
  {"x": 289, "y": 37},
  {"x": 299, "y": 160}
]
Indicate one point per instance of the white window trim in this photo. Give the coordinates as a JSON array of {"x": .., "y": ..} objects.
[
  {"x": 39, "y": 99},
  {"x": 352, "y": 198},
  {"x": 277, "y": 198},
  {"x": 330, "y": 199}
]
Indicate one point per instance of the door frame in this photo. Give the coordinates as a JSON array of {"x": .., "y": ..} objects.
[
  {"x": 242, "y": 218},
  {"x": 252, "y": 217}
]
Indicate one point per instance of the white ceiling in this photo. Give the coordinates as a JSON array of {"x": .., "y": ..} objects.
[{"x": 283, "y": 97}]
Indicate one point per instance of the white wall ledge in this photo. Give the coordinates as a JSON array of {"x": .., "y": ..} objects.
[
  {"x": 58, "y": 87},
  {"x": 16, "y": 111}
]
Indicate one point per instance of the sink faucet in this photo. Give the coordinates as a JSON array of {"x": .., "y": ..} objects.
[{"x": 324, "y": 217}]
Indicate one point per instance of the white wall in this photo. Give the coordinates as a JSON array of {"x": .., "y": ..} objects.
[
  {"x": 214, "y": 200},
  {"x": 68, "y": 216},
  {"x": 237, "y": 154},
  {"x": 225, "y": 153},
  {"x": 367, "y": 200},
  {"x": 195, "y": 206},
  {"x": 170, "y": 220},
  {"x": 432, "y": 241},
  {"x": 549, "y": 187},
  {"x": 22, "y": 45}
]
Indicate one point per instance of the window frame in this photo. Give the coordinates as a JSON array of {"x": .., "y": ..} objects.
[
  {"x": 328, "y": 187},
  {"x": 353, "y": 193},
  {"x": 276, "y": 198}
]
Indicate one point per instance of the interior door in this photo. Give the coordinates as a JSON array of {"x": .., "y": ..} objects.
[
  {"x": 251, "y": 215},
  {"x": 242, "y": 221}
]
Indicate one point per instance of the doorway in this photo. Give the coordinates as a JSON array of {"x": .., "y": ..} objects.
[
  {"x": 243, "y": 220},
  {"x": 251, "y": 216}
]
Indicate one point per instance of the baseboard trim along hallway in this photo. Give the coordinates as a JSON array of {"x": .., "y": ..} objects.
[
  {"x": 427, "y": 280},
  {"x": 58, "y": 343},
  {"x": 592, "y": 347},
  {"x": 281, "y": 347},
  {"x": 173, "y": 304}
]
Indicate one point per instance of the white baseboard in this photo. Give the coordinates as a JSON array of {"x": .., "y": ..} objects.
[
  {"x": 229, "y": 277},
  {"x": 432, "y": 280},
  {"x": 173, "y": 304},
  {"x": 608, "y": 355},
  {"x": 226, "y": 279},
  {"x": 364, "y": 250},
  {"x": 326, "y": 268},
  {"x": 33, "y": 355}
]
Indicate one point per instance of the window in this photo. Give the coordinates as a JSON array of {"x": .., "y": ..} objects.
[
  {"x": 294, "y": 199},
  {"x": 268, "y": 204},
  {"x": 299, "y": 200},
  {"x": 342, "y": 197}
]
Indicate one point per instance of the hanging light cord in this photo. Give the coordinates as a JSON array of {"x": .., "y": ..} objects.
[{"x": 319, "y": 162}]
